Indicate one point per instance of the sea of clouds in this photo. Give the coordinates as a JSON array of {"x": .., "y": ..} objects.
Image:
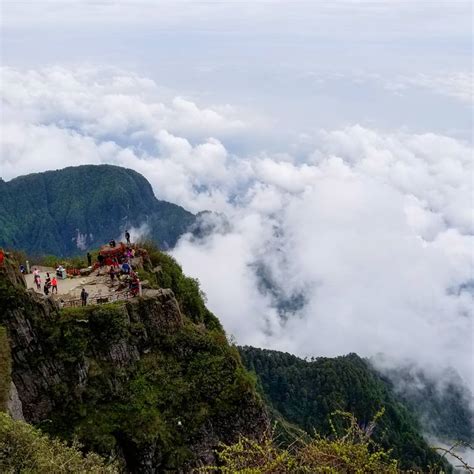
[{"x": 347, "y": 240}]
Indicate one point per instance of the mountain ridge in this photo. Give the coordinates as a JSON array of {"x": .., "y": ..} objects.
[
  {"x": 306, "y": 393},
  {"x": 74, "y": 209},
  {"x": 151, "y": 381},
  {"x": 123, "y": 377}
]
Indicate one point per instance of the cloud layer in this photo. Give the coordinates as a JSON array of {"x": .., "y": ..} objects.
[{"x": 348, "y": 240}]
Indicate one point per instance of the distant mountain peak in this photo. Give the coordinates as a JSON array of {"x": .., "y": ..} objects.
[{"x": 67, "y": 211}]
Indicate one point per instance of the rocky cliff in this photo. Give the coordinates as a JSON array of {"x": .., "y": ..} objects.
[{"x": 137, "y": 380}]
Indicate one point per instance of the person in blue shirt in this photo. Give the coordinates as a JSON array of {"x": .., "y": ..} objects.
[{"x": 126, "y": 268}]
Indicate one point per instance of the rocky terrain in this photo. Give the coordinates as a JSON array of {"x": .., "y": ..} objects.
[{"x": 136, "y": 380}]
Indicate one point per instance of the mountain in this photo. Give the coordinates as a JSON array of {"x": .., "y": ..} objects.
[
  {"x": 307, "y": 393},
  {"x": 67, "y": 211},
  {"x": 442, "y": 404},
  {"x": 153, "y": 383},
  {"x": 150, "y": 381}
]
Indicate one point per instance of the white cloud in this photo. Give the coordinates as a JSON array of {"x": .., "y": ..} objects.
[
  {"x": 366, "y": 239},
  {"x": 423, "y": 16},
  {"x": 107, "y": 103},
  {"x": 458, "y": 85}
]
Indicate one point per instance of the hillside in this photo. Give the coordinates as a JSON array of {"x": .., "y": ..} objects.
[
  {"x": 151, "y": 381},
  {"x": 68, "y": 211},
  {"x": 26, "y": 449},
  {"x": 306, "y": 393},
  {"x": 442, "y": 405}
]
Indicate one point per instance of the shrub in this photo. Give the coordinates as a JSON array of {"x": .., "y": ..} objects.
[
  {"x": 350, "y": 452},
  {"x": 25, "y": 449},
  {"x": 191, "y": 298}
]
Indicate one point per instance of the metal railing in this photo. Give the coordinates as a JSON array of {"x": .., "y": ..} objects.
[{"x": 97, "y": 299}]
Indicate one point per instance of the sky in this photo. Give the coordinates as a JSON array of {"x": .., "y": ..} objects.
[{"x": 332, "y": 141}]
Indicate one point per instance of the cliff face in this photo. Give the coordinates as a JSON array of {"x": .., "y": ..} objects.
[{"x": 138, "y": 380}]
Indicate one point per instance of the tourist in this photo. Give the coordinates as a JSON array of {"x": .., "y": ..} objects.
[
  {"x": 134, "y": 285},
  {"x": 84, "y": 296},
  {"x": 89, "y": 259},
  {"x": 112, "y": 274},
  {"x": 127, "y": 237},
  {"x": 54, "y": 285},
  {"x": 126, "y": 268}
]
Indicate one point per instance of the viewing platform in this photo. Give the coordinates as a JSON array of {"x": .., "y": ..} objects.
[{"x": 112, "y": 277}]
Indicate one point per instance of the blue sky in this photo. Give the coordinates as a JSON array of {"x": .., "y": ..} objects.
[{"x": 305, "y": 64}]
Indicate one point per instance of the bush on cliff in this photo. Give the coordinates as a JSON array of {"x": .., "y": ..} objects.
[
  {"x": 350, "y": 451},
  {"x": 27, "y": 450},
  {"x": 187, "y": 290}
]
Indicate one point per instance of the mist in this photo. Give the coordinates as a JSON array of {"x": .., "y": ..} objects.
[{"x": 353, "y": 239}]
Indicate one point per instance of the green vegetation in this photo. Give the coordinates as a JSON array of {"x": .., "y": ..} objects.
[
  {"x": 24, "y": 449},
  {"x": 62, "y": 212},
  {"x": 442, "y": 405},
  {"x": 151, "y": 375},
  {"x": 191, "y": 376},
  {"x": 191, "y": 386},
  {"x": 137, "y": 374},
  {"x": 67, "y": 262},
  {"x": 5, "y": 368},
  {"x": 306, "y": 393},
  {"x": 187, "y": 290},
  {"x": 350, "y": 451}
]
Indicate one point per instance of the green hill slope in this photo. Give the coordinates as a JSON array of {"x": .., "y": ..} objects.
[
  {"x": 306, "y": 393},
  {"x": 442, "y": 405},
  {"x": 151, "y": 381},
  {"x": 26, "y": 449},
  {"x": 67, "y": 211}
]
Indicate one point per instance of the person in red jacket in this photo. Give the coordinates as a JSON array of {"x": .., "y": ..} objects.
[{"x": 54, "y": 285}]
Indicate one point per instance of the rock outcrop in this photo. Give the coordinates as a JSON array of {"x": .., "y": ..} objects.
[
  {"x": 14, "y": 406},
  {"x": 138, "y": 380}
]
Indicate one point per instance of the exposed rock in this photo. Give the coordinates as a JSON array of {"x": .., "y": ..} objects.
[
  {"x": 14, "y": 406},
  {"x": 72, "y": 365},
  {"x": 86, "y": 271}
]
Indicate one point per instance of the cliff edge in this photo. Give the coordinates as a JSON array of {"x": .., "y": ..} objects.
[{"x": 137, "y": 380}]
